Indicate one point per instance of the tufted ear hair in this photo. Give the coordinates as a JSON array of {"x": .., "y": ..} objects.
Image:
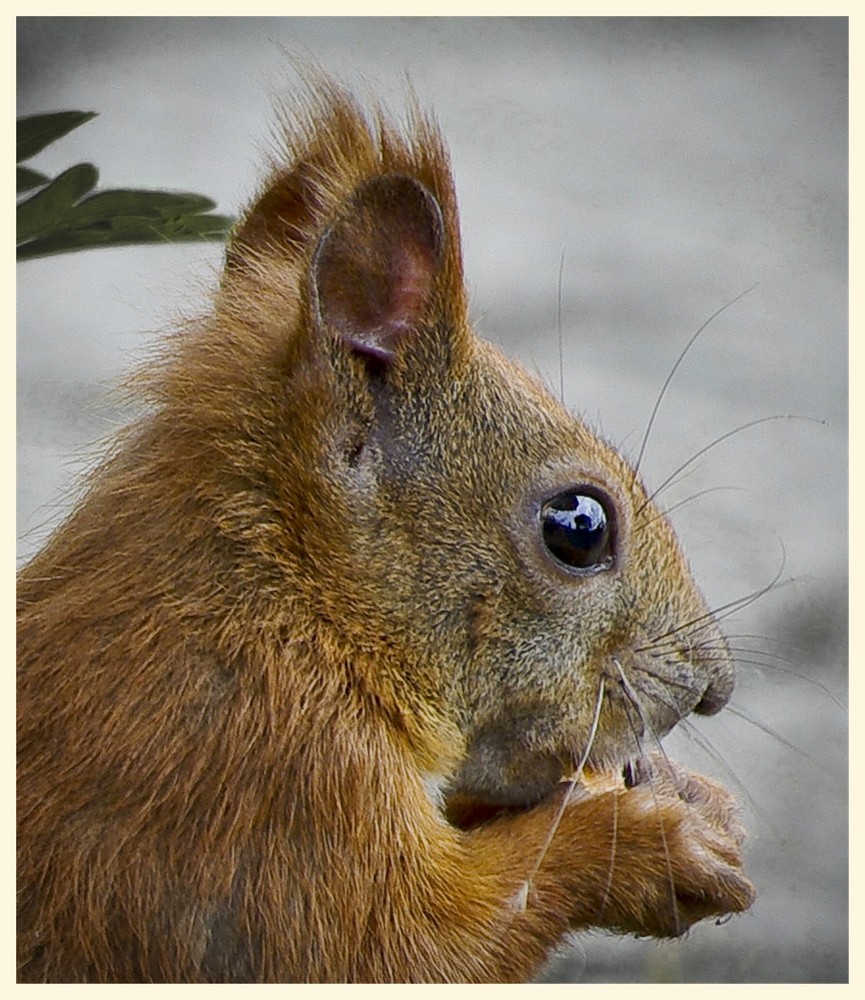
[{"x": 375, "y": 269}]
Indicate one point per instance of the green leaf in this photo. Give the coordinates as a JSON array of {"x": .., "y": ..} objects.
[
  {"x": 27, "y": 179},
  {"x": 122, "y": 231},
  {"x": 38, "y": 131},
  {"x": 66, "y": 214},
  {"x": 146, "y": 204},
  {"x": 48, "y": 207}
]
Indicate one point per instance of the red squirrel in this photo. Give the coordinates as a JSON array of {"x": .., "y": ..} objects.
[{"x": 352, "y": 663}]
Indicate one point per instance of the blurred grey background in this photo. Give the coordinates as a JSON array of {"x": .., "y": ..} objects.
[{"x": 675, "y": 163}]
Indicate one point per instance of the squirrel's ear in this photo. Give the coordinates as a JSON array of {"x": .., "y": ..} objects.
[
  {"x": 281, "y": 217},
  {"x": 374, "y": 271}
]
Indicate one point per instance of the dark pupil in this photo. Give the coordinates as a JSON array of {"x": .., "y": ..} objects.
[{"x": 576, "y": 531}]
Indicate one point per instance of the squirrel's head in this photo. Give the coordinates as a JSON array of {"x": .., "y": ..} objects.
[{"x": 478, "y": 557}]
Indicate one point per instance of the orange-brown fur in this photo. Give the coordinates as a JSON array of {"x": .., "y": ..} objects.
[{"x": 304, "y": 592}]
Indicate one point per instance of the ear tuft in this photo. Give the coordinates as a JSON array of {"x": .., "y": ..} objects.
[{"x": 375, "y": 269}]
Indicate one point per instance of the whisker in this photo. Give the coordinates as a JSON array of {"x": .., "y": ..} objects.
[
  {"x": 718, "y": 614},
  {"x": 559, "y": 329},
  {"x": 777, "y": 668},
  {"x": 672, "y": 682},
  {"x": 740, "y": 713},
  {"x": 765, "y": 663},
  {"x": 768, "y": 665},
  {"x": 719, "y": 440},
  {"x": 711, "y": 751},
  {"x": 762, "y": 652},
  {"x": 673, "y": 370},
  {"x": 747, "y": 602},
  {"x": 767, "y": 638},
  {"x": 681, "y": 503},
  {"x": 523, "y": 892},
  {"x": 722, "y": 649},
  {"x": 634, "y": 700},
  {"x": 706, "y": 745}
]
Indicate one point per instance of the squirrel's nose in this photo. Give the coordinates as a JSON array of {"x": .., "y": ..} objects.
[{"x": 716, "y": 696}]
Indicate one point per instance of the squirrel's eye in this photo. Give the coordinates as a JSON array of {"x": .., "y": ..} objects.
[{"x": 577, "y": 531}]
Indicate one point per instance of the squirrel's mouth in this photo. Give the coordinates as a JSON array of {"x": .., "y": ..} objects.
[
  {"x": 634, "y": 771},
  {"x": 465, "y": 811}
]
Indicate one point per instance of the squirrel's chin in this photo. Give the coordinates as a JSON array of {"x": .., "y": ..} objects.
[{"x": 499, "y": 781}]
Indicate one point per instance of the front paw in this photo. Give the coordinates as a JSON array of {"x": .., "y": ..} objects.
[{"x": 675, "y": 854}]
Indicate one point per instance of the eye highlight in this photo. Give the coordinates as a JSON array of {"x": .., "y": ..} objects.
[{"x": 577, "y": 530}]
